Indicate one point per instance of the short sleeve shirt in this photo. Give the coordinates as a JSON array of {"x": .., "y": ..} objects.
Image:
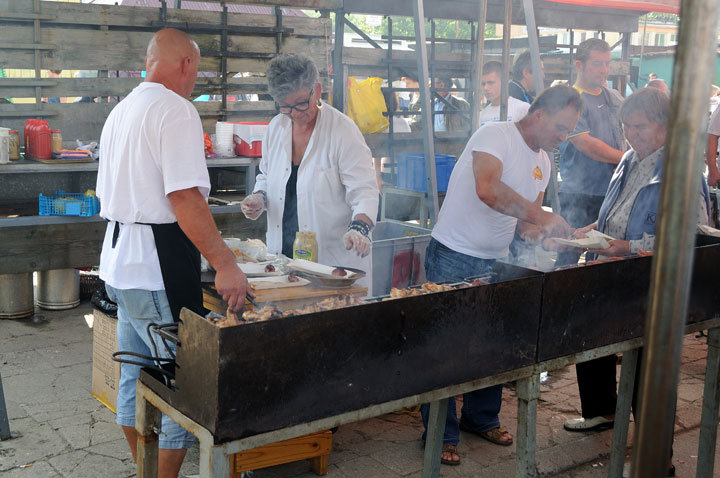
[
  {"x": 151, "y": 145},
  {"x": 580, "y": 174},
  {"x": 468, "y": 225}
]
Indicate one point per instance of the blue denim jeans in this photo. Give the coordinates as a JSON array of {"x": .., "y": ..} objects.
[
  {"x": 136, "y": 309},
  {"x": 480, "y": 407}
]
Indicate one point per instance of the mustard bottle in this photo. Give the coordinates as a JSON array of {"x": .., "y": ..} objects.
[{"x": 305, "y": 246}]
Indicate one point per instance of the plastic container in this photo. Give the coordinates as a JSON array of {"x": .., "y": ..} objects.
[
  {"x": 16, "y": 296},
  {"x": 56, "y": 140},
  {"x": 305, "y": 246},
  {"x": 411, "y": 171},
  {"x": 68, "y": 204},
  {"x": 42, "y": 142},
  {"x": 58, "y": 289},
  {"x": 26, "y": 136},
  {"x": 4, "y": 145},
  {"x": 398, "y": 256},
  {"x": 224, "y": 138},
  {"x": 14, "y": 145},
  {"x": 248, "y": 138}
]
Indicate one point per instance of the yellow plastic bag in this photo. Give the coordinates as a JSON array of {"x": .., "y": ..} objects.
[{"x": 366, "y": 105}]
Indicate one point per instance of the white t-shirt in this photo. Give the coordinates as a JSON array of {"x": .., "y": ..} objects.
[
  {"x": 465, "y": 223},
  {"x": 714, "y": 125},
  {"x": 151, "y": 145},
  {"x": 400, "y": 125},
  {"x": 516, "y": 111}
]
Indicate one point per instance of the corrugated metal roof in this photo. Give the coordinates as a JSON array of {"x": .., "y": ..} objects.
[{"x": 213, "y": 7}]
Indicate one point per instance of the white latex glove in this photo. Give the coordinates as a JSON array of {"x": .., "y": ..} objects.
[
  {"x": 359, "y": 242},
  {"x": 253, "y": 205}
]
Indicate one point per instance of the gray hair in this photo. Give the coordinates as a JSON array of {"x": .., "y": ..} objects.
[
  {"x": 650, "y": 101},
  {"x": 289, "y": 73}
]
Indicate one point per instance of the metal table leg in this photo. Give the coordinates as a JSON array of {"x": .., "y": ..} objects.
[
  {"x": 622, "y": 413},
  {"x": 711, "y": 399},
  {"x": 4, "y": 425},
  {"x": 434, "y": 438},
  {"x": 214, "y": 462},
  {"x": 147, "y": 422},
  {"x": 528, "y": 392}
]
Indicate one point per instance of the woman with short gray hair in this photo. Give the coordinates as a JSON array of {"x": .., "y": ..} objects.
[
  {"x": 316, "y": 173},
  {"x": 629, "y": 213}
]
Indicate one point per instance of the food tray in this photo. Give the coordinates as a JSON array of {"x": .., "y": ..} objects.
[{"x": 68, "y": 204}]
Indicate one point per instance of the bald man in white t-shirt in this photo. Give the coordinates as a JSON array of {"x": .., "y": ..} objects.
[{"x": 153, "y": 186}]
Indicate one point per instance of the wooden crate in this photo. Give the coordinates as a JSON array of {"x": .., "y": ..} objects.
[{"x": 316, "y": 447}]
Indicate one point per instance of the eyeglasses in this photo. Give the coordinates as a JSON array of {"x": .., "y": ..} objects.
[{"x": 299, "y": 107}]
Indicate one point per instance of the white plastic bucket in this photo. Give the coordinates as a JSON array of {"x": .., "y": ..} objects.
[{"x": 4, "y": 145}]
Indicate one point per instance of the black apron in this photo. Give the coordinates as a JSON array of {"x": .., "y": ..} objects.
[{"x": 179, "y": 265}]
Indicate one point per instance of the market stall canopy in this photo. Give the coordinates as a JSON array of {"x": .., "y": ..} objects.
[
  {"x": 664, "y": 6},
  {"x": 586, "y": 15}
]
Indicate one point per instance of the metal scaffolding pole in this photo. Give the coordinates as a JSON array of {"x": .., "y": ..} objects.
[
  {"x": 675, "y": 235},
  {"x": 479, "y": 55},
  {"x": 427, "y": 109},
  {"x": 505, "y": 80}
]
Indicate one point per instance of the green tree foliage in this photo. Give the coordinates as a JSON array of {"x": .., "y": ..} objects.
[{"x": 657, "y": 17}]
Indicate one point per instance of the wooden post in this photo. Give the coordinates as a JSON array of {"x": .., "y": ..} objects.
[
  {"x": 528, "y": 392},
  {"x": 434, "y": 438},
  {"x": 622, "y": 412}
]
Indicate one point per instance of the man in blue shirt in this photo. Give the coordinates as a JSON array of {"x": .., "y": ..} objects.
[
  {"x": 592, "y": 151},
  {"x": 586, "y": 166}
]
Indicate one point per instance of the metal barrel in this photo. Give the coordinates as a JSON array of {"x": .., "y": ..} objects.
[
  {"x": 16, "y": 296},
  {"x": 58, "y": 289}
]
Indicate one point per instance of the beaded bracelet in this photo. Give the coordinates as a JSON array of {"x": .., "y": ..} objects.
[{"x": 360, "y": 226}]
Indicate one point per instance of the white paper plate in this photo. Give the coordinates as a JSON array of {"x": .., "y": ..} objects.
[
  {"x": 303, "y": 265},
  {"x": 585, "y": 243},
  {"x": 252, "y": 269},
  {"x": 277, "y": 282}
]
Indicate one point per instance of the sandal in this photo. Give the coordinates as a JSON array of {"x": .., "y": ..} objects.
[
  {"x": 499, "y": 436},
  {"x": 452, "y": 450}
]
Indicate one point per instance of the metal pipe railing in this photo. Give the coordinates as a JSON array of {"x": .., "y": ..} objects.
[{"x": 675, "y": 234}]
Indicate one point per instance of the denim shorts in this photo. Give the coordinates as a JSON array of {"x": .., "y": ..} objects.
[{"x": 136, "y": 309}]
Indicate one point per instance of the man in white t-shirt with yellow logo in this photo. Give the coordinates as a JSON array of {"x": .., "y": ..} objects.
[{"x": 497, "y": 186}]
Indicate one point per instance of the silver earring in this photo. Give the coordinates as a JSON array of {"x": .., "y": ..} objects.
[{"x": 319, "y": 104}]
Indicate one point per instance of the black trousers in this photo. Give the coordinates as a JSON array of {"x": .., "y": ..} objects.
[{"x": 596, "y": 382}]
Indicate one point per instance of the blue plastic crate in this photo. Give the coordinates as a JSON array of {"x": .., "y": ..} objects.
[
  {"x": 68, "y": 204},
  {"x": 411, "y": 171}
]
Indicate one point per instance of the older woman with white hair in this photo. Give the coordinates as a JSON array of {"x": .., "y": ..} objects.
[
  {"x": 629, "y": 213},
  {"x": 316, "y": 172}
]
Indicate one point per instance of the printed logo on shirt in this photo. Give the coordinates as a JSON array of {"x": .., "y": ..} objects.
[
  {"x": 537, "y": 174},
  {"x": 650, "y": 218}
]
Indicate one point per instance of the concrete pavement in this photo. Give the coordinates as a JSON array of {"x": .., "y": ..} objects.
[{"x": 46, "y": 367}]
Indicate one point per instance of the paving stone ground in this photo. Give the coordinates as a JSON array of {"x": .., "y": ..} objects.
[{"x": 64, "y": 432}]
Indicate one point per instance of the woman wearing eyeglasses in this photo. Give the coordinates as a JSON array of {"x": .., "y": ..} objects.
[{"x": 316, "y": 171}]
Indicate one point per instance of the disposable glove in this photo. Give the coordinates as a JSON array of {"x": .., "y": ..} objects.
[
  {"x": 356, "y": 238},
  {"x": 253, "y": 205}
]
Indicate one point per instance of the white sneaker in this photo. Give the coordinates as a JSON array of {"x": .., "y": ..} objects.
[{"x": 588, "y": 424}]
